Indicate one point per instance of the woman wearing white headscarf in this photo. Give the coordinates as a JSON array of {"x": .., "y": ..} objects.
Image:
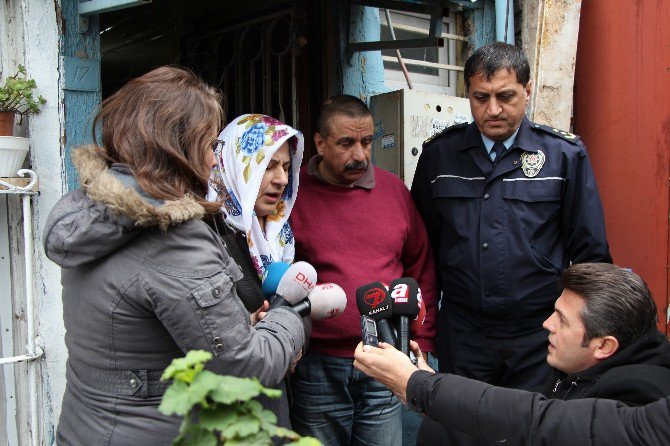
[
  {"x": 259, "y": 160},
  {"x": 256, "y": 178}
]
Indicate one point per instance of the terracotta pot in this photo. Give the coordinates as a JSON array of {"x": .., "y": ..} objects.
[{"x": 6, "y": 123}]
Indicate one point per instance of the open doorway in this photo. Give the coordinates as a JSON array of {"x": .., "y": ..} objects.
[{"x": 258, "y": 54}]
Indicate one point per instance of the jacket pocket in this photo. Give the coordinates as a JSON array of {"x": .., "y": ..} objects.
[
  {"x": 211, "y": 292},
  {"x": 219, "y": 312},
  {"x": 544, "y": 261},
  {"x": 449, "y": 186},
  {"x": 455, "y": 199},
  {"x": 532, "y": 189}
]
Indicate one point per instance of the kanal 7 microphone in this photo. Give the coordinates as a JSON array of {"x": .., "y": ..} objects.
[{"x": 374, "y": 301}]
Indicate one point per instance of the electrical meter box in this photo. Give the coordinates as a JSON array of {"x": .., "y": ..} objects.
[{"x": 404, "y": 119}]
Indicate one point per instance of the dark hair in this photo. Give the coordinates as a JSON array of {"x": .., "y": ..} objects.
[
  {"x": 341, "y": 104},
  {"x": 163, "y": 124},
  {"x": 492, "y": 57},
  {"x": 617, "y": 301}
]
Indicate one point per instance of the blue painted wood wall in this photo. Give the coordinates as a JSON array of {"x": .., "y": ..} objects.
[
  {"x": 80, "y": 106},
  {"x": 482, "y": 20}
]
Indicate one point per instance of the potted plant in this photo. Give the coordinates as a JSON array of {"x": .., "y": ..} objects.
[{"x": 16, "y": 98}]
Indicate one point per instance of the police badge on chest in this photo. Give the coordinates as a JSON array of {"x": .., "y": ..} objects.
[{"x": 532, "y": 162}]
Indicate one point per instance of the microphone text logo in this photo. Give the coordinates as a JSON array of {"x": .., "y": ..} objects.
[
  {"x": 303, "y": 281},
  {"x": 374, "y": 297},
  {"x": 400, "y": 293}
]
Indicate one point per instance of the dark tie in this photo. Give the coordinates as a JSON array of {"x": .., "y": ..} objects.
[{"x": 498, "y": 149}]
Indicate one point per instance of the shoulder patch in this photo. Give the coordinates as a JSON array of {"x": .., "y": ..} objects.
[
  {"x": 570, "y": 137},
  {"x": 444, "y": 132}
]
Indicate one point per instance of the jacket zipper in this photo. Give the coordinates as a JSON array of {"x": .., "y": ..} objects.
[
  {"x": 573, "y": 384},
  {"x": 558, "y": 383}
]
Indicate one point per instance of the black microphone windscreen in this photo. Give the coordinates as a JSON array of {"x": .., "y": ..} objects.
[
  {"x": 404, "y": 293},
  {"x": 374, "y": 301}
]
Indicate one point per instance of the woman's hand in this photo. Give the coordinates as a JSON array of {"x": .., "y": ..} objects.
[{"x": 259, "y": 314}]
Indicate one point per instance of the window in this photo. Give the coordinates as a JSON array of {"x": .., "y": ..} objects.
[{"x": 420, "y": 62}]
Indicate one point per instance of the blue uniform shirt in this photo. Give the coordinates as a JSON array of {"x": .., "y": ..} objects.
[{"x": 488, "y": 144}]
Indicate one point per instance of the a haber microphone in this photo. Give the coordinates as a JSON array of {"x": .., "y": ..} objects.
[
  {"x": 326, "y": 300},
  {"x": 295, "y": 285},
  {"x": 404, "y": 293},
  {"x": 374, "y": 301}
]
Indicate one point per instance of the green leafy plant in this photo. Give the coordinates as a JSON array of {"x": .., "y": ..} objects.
[
  {"x": 17, "y": 94},
  {"x": 220, "y": 410}
]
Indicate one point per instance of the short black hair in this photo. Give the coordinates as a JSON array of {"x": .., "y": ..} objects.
[
  {"x": 496, "y": 55},
  {"x": 617, "y": 302},
  {"x": 340, "y": 104}
]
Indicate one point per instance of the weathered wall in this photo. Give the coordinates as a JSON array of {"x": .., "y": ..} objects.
[
  {"x": 622, "y": 113},
  {"x": 549, "y": 35},
  {"x": 42, "y": 35},
  {"x": 30, "y": 37}
]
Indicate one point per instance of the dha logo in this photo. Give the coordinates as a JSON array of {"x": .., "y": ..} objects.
[
  {"x": 374, "y": 297},
  {"x": 303, "y": 281}
]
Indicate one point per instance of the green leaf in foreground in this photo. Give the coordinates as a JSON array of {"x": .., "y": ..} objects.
[{"x": 220, "y": 410}]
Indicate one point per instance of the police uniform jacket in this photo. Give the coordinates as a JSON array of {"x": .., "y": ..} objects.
[{"x": 503, "y": 233}]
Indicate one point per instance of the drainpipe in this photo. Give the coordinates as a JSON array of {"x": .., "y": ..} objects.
[{"x": 505, "y": 28}]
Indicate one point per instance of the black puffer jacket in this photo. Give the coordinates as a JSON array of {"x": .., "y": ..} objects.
[
  {"x": 495, "y": 415},
  {"x": 637, "y": 375}
]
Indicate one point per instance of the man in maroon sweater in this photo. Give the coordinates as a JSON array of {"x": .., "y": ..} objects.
[{"x": 356, "y": 224}]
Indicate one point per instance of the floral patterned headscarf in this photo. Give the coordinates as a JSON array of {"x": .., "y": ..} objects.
[{"x": 243, "y": 151}]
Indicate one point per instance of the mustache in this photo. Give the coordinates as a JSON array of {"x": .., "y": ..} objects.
[{"x": 356, "y": 165}]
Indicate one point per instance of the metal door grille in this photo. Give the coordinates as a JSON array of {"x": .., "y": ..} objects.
[{"x": 253, "y": 65}]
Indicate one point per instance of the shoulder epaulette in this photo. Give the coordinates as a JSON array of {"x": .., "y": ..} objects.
[
  {"x": 445, "y": 131},
  {"x": 570, "y": 137}
]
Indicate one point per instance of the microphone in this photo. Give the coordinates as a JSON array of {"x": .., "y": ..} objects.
[
  {"x": 417, "y": 322},
  {"x": 404, "y": 293},
  {"x": 295, "y": 285},
  {"x": 273, "y": 274},
  {"x": 326, "y": 300},
  {"x": 374, "y": 301}
]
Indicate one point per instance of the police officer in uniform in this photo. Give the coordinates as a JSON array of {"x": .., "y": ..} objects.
[{"x": 508, "y": 205}]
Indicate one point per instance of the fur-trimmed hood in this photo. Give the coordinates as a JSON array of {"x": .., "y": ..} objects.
[
  {"x": 121, "y": 193},
  {"x": 107, "y": 211}
]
